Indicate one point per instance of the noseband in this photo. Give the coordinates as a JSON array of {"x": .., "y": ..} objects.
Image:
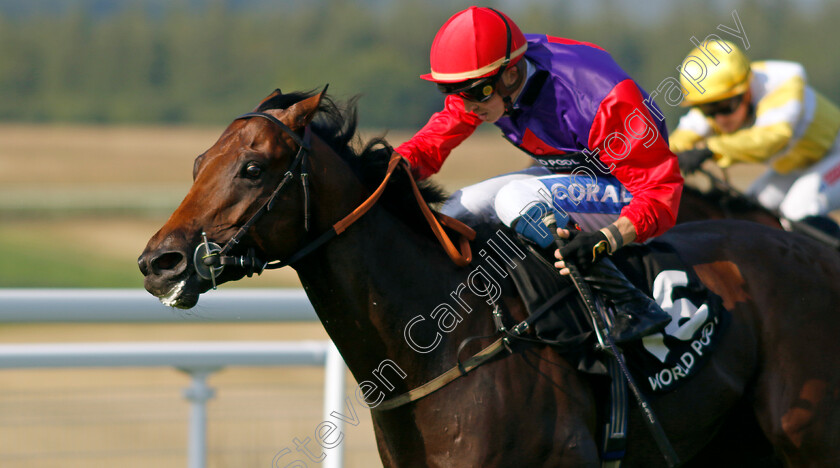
[{"x": 210, "y": 259}]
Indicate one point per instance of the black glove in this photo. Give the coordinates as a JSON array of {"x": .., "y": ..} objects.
[
  {"x": 585, "y": 248},
  {"x": 691, "y": 160}
]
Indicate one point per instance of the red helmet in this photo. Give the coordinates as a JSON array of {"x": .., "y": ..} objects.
[{"x": 474, "y": 43}]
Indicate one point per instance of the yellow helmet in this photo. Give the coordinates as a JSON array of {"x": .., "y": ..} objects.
[{"x": 706, "y": 81}]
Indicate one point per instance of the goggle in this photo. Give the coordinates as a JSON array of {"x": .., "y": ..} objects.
[
  {"x": 722, "y": 107},
  {"x": 480, "y": 90}
]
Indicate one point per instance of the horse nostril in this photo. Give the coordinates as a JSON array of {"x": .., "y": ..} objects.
[
  {"x": 144, "y": 266},
  {"x": 167, "y": 261}
]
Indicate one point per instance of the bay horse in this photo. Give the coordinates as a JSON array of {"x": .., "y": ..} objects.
[
  {"x": 717, "y": 203},
  {"x": 770, "y": 392},
  {"x": 723, "y": 201}
]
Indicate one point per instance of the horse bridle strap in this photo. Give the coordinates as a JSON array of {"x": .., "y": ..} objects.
[
  {"x": 341, "y": 225},
  {"x": 442, "y": 380},
  {"x": 461, "y": 257},
  {"x": 209, "y": 256},
  {"x": 299, "y": 161}
]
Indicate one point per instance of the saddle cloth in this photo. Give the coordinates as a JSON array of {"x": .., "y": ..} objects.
[
  {"x": 664, "y": 361},
  {"x": 660, "y": 362}
]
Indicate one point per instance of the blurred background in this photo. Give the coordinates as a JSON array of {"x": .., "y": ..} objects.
[{"x": 104, "y": 104}]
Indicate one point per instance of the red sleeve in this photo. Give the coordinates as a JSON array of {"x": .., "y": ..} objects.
[
  {"x": 629, "y": 143},
  {"x": 446, "y": 129}
]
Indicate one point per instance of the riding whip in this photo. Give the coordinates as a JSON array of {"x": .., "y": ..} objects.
[{"x": 602, "y": 333}]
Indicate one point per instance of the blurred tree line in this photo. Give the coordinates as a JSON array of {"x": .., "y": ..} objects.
[{"x": 193, "y": 61}]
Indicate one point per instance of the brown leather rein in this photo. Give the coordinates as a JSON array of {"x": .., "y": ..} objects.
[
  {"x": 460, "y": 256},
  {"x": 209, "y": 258}
]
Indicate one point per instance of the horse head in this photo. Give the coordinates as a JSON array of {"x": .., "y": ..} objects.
[{"x": 247, "y": 204}]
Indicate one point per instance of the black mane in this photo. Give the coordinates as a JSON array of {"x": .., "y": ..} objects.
[
  {"x": 336, "y": 125},
  {"x": 726, "y": 200}
]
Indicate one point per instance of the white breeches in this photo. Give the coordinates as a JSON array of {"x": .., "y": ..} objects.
[
  {"x": 592, "y": 202},
  {"x": 811, "y": 191}
]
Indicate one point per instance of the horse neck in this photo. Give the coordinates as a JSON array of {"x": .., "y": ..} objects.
[
  {"x": 694, "y": 206},
  {"x": 368, "y": 283},
  {"x": 697, "y": 206}
]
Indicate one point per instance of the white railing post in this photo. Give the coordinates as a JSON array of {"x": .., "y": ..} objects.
[
  {"x": 334, "y": 390},
  {"x": 198, "y": 393},
  {"x": 198, "y": 359}
]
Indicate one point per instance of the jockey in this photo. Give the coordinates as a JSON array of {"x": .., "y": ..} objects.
[
  {"x": 603, "y": 161},
  {"x": 761, "y": 112}
]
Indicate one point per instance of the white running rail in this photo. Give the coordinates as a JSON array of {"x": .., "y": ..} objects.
[{"x": 198, "y": 359}]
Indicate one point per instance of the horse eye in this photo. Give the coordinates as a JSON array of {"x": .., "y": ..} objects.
[{"x": 252, "y": 170}]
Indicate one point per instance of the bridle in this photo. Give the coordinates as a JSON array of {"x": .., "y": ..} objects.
[{"x": 209, "y": 259}]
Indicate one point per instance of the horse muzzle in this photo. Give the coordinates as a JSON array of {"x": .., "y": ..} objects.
[{"x": 167, "y": 276}]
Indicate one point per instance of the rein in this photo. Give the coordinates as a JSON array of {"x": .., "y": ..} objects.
[{"x": 210, "y": 259}]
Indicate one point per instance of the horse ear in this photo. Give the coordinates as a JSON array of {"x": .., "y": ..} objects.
[
  {"x": 304, "y": 111},
  {"x": 274, "y": 94}
]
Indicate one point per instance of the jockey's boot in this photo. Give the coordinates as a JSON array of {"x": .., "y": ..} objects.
[{"x": 635, "y": 314}]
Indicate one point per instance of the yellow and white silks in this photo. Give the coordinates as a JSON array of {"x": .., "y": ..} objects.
[{"x": 796, "y": 132}]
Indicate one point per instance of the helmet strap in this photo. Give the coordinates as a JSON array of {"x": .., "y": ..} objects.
[
  {"x": 508, "y": 104},
  {"x": 509, "y": 90}
]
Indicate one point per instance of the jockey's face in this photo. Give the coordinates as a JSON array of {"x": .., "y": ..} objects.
[
  {"x": 735, "y": 120},
  {"x": 488, "y": 111}
]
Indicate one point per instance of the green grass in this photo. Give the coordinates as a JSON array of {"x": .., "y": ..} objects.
[
  {"x": 43, "y": 259},
  {"x": 89, "y": 252}
]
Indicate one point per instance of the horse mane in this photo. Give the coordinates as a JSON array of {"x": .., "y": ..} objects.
[
  {"x": 724, "y": 199},
  {"x": 336, "y": 125}
]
